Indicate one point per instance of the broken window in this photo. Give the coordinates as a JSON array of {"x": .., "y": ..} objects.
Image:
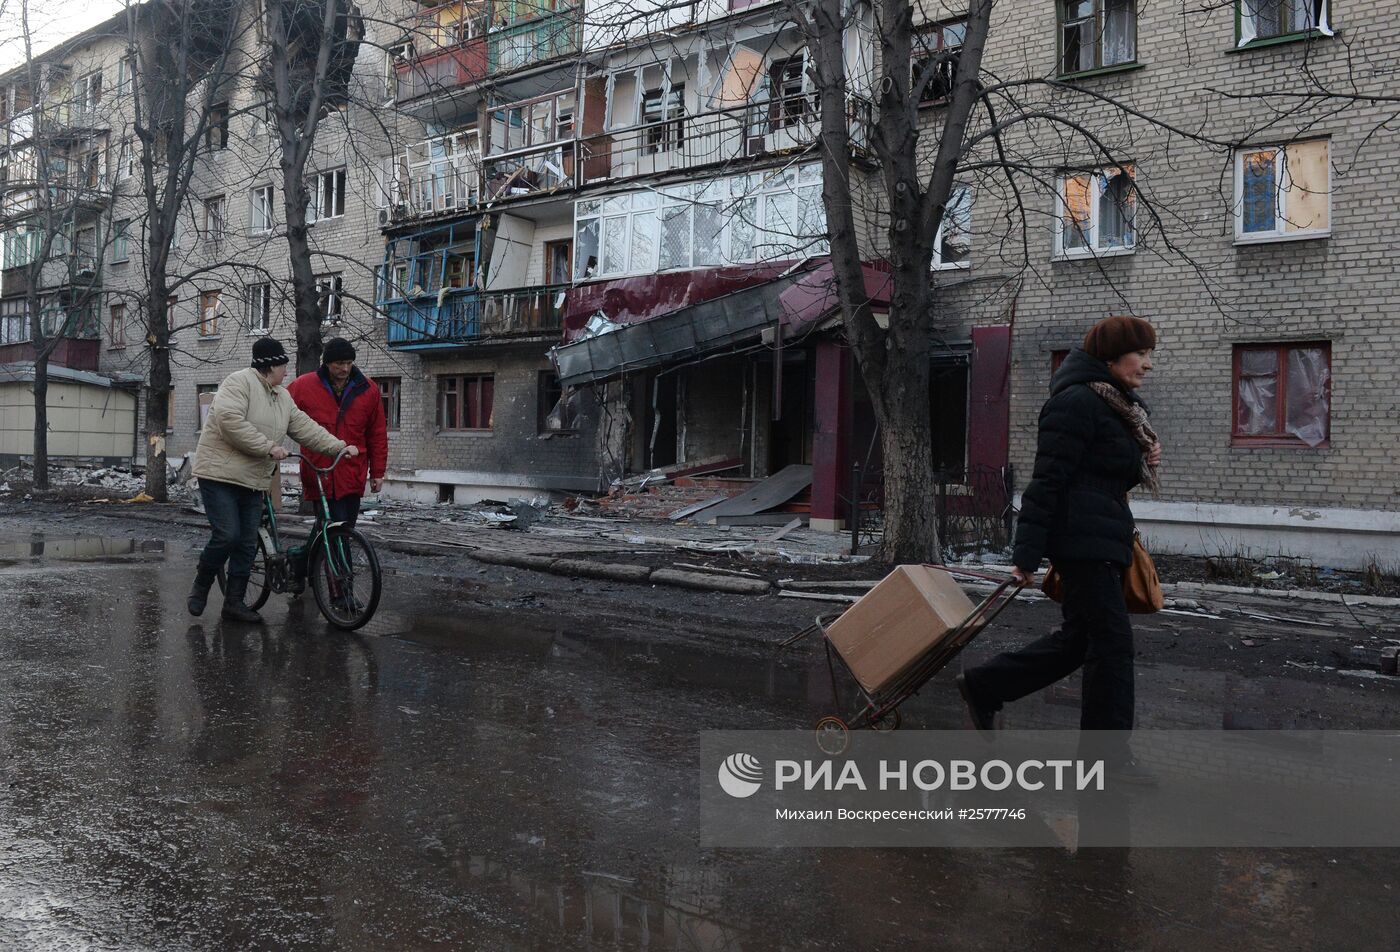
[
  {"x": 216, "y": 129},
  {"x": 953, "y": 243},
  {"x": 1266, "y": 19},
  {"x": 1097, "y": 33},
  {"x": 662, "y": 109},
  {"x": 260, "y": 212},
  {"x": 329, "y": 298},
  {"x": 1282, "y": 394},
  {"x": 204, "y": 399},
  {"x": 465, "y": 401},
  {"x": 1283, "y": 191},
  {"x": 259, "y": 298},
  {"x": 212, "y": 227},
  {"x": 1097, "y": 212},
  {"x": 558, "y": 407},
  {"x": 327, "y": 197},
  {"x": 935, "y": 60},
  {"x": 788, "y": 83}
]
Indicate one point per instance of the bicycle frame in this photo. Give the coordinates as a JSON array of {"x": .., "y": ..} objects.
[{"x": 320, "y": 532}]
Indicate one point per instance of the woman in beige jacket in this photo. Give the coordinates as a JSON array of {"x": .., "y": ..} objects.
[{"x": 239, "y": 449}]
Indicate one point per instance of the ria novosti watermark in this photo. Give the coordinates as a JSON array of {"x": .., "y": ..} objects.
[{"x": 1051, "y": 788}]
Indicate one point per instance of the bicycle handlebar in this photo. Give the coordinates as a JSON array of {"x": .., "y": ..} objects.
[{"x": 322, "y": 470}]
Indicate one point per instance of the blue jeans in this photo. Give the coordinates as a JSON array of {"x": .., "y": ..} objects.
[{"x": 234, "y": 513}]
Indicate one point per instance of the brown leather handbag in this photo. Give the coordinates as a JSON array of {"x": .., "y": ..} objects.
[{"x": 1142, "y": 592}]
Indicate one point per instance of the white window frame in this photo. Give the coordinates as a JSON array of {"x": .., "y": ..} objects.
[
  {"x": 728, "y": 194},
  {"x": 329, "y": 186},
  {"x": 261, "y": 204},
  {"x": 333, "y": 285},
  {"x": 1279, "y": 231},
  {"x": 259, "y": 298},
  {"x": 938, "y": 263},
  {"x": 1098, "y": 179}
]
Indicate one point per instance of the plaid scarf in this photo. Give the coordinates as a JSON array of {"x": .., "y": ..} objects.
[{"x": 1136, "y": 416}]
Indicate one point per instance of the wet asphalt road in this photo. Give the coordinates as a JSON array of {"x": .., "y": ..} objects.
[{"x": 507, "y": 773}]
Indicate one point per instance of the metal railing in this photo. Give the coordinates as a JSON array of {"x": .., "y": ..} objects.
[
  {"x": 751, "y": 130},
  {"x": 442, "y": 69},
  {"x": 466, "y": 315}
]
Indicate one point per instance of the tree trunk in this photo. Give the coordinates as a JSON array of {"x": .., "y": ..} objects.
[
  {"x": 308, "y": 310},
  {"x": 911, "y": 531},
  {"x": 41, "y": 418},
  {"x": 157, "y": 392}
]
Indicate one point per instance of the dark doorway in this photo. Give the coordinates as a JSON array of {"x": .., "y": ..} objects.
[
  {"x": 947, "y": 402},
  {"x": 790, "y": 433}
]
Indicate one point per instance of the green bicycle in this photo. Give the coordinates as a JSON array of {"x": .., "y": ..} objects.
[{"x": 338, "y": 561}]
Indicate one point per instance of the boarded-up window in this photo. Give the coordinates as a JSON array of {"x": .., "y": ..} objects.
[
  {"x": 1283, "y": 191},
  {"x": 1282, "y": 394}
]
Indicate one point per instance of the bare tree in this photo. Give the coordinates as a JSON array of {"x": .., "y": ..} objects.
[
  {"x": 308, "y": 52},
  {"x": 180, "y": 51},
  {"x": 55, "y": 190}
]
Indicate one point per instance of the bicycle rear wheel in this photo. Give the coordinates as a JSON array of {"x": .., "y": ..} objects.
[
  {"x": 258, "y": 585},
  {"x": 348, "y": 582}
]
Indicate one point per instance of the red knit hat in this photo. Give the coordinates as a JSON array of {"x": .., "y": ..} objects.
[{"x": 1113, "y": 337}]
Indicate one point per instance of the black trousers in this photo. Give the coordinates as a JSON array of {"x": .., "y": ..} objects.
[
  {"x": 346, "y": 509},
  {"x": 1097, "y": 634}
]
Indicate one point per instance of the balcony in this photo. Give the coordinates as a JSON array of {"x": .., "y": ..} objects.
[
  {"x": 529, "y": 43},
  {"x": 465, "y": 316},
  {"x": 455, "y": 56},
  {"x": 437, "y": 177},
  {"x": 752, "y": 130},
  {"x": 536, "y": 171}
]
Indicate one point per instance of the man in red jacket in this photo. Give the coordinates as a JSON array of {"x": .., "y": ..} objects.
[{"x": 347, "y": 403}]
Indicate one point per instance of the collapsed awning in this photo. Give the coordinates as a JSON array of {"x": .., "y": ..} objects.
[{"x": 709, "y": 327}]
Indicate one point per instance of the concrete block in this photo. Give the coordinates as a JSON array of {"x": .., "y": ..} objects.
[{"x": 711, "y": 583}]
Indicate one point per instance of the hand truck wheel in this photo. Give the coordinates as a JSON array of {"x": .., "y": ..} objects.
[{"x": 833, "y": 736}]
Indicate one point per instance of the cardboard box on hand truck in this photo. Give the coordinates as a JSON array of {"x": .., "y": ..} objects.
[{"x": 896, "y": 622}]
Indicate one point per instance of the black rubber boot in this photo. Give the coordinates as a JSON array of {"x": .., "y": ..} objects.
[
  {"x": 199, "y": 591},
  {"x": 234, "y": 609}
]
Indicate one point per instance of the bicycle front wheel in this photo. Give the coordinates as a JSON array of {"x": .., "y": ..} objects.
[{"x": 346, "y": 580}]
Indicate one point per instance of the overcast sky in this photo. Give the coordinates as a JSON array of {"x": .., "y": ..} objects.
[{"x": 51, "y": 22}]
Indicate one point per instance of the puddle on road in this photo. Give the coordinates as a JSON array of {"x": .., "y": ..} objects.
[{"x": 42, "y": 547}]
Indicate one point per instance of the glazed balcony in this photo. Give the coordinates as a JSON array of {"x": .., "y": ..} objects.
[
  {"x": 460, "y": 316},
  {"x": 436, "y": 177},
  {"x": 453, "y": 55},
  {"x": 529, "y": 42}
]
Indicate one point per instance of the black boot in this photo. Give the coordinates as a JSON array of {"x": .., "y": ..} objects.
[
  {"x": 199, "y": 591},
  {"x": 234, "y": 609}
]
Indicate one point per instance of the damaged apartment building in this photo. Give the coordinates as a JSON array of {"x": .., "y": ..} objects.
[
  {"x": 623, "y": 217},
  {"x": 576, "y": 245}
]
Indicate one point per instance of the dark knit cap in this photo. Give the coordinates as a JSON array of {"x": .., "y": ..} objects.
[
  {"x": 1113, "y": 337},
  {"x": 337, "y": 348},
  {"x": 268, "y": 352}
]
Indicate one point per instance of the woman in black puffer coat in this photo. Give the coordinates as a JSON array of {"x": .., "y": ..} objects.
[{"x": 1089, "y": 454}]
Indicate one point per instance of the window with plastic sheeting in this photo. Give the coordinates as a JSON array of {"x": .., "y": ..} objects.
[
  {"x": 953, "y": 243},
  {"x": 1282, "y": 394},
  {"x": 1097, "y": 213},
  {"x": 1283, "y": 192}
]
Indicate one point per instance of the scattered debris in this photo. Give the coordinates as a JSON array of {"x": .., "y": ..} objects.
[{"x": 794, "y": 524}]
